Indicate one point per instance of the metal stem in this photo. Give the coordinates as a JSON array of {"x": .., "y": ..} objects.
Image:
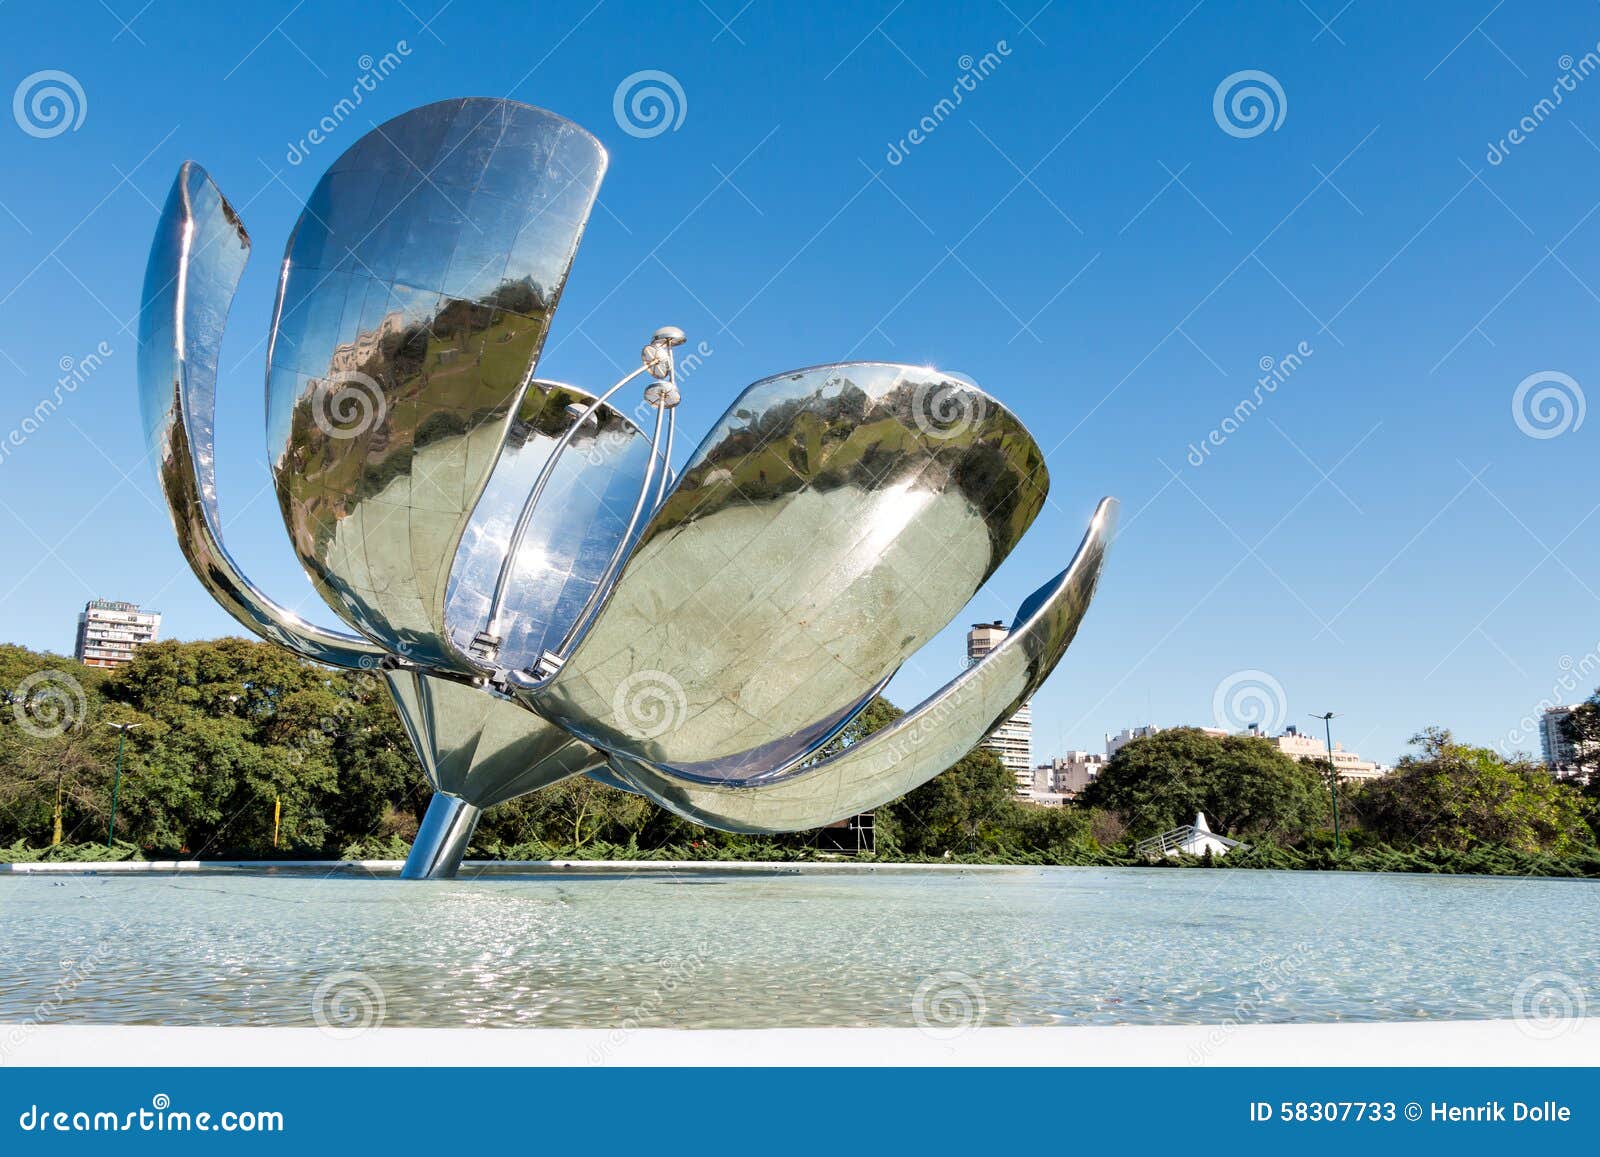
[
  {"x": 442, "y": 840},
  {"x": 666, "y": 460}
]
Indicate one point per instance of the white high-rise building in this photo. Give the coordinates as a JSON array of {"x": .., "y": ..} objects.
[
  {"x": 110, "y": 632},
  {"x": 1560, "y": 754},
  {"x": 1012, "y": 741}
]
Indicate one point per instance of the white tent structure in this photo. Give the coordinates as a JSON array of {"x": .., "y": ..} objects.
[{"x": 1194, "y": 839}]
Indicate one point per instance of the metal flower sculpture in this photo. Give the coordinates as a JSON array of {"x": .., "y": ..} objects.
[{"x": 544, "y": 596}]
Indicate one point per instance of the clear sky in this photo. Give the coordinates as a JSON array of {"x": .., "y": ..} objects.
[{"x": 1089, "y": 234}]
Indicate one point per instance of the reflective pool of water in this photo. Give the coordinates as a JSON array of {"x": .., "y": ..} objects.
[{"x": 716, "y": 950}]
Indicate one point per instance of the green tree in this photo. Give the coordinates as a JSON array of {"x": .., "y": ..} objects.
[
  {"x": 1245, "y": 786},
  {"x": 1581, "y": 728},
  {"x": 1455, "y": 796},
  {"x": 964, "y": 809},
  {"x": 53, "y": 745}
]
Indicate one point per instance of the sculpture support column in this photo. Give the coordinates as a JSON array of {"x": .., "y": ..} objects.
[{"x": 442, "y": 839}]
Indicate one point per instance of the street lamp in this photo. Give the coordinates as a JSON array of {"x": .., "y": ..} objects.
[
  {"x": 1333, "y": 773},
  {"x": 122, "y": 730}
]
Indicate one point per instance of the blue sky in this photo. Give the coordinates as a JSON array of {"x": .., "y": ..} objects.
[{"x": 1083, "y": 236}]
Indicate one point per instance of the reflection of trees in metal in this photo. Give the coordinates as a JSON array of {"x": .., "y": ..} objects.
[
  {"x": 545, "y": 598},
  {"x": 816, "y": 540}
]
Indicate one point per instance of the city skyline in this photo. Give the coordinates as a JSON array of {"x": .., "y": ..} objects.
[{"x": 1013, "y": 742}]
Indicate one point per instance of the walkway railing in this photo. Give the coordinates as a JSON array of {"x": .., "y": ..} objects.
[{"x": 1168, "y": 842}]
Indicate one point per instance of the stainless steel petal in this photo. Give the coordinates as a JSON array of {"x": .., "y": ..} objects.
[
  {"x": 195, "y": 263},
  {"x": 481, "y": 747},
  {"x": 573, "y": 531},
  {"x": 833, "y": 521},
  {"x": 920, "y": 744},
  {"x": 607, "y": 775},
  {"x": 415, "y": 297}
]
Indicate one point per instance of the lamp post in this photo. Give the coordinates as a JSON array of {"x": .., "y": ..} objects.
[
  {"x": 122, "y": 730},
  {"x": 1333, "y": 773}
]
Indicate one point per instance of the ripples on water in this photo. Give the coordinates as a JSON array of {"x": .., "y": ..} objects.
[{"x": 1041, "y": 946}]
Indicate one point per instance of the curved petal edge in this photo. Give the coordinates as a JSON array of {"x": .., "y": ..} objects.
[
  {"x": 195, "y": 263},
  {"x": 833, "y": 521},
  {"x": 920, "y": 744}
]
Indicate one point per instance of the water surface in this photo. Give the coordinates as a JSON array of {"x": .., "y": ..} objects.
[{"x": 714, "y": 950}]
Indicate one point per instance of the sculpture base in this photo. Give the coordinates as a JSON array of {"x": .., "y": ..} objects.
[{"x": 442, "y": 839}]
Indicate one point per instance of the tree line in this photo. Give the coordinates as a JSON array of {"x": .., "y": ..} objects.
[{"x": 239, "y": 750}]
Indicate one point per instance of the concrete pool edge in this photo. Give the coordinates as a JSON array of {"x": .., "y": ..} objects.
[
  {"x": 472, "y": 868},
  {"x": 1451, "y": 1044}
]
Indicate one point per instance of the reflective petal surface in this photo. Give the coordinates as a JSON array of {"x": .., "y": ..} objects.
[
  {"x": 573, "y": 531},
  {"x": 415, "y": 296},
  {"x": 479, "y": 746},
  {"x": 832, "y": 522},
  {"x": 920, "y": 744},
  {"x": 195, "y": 263}
]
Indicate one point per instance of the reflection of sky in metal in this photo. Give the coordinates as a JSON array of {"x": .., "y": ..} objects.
[
  {"x": 420, "y": 280},
  {"x": 574, "y": 529},
  {"x": 834, "y": 520},
  {"x": 194, "y": 268},
  {"x": 822, "y": 533},
  {"x": 920, "y": 744}
]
